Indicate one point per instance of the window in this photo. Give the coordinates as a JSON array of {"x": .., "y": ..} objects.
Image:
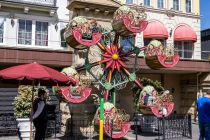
[
  {"x": 25, "y": 32},
  {"x": 129, "y": 1},
  {"x": 188, "y": 6},
  {"x": 185, "y": 48},
  {"x": 176, "y": 5},
  {"x": 41, "y": 34},
  {"x": 160, "y": 4},
  {"x": 127, "y": 43},
  {"x": 146, "y": 2},
  {"x": 63, "y": 42},
  {"x": 1, "y": 29}
]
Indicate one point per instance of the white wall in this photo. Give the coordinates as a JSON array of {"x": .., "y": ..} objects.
[
  {"x": 63, "y": 12},
  {"x": 63, "y": 16},
  {"x": 10, "y": 33}
]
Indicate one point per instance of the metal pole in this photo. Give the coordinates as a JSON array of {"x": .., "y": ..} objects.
[
  {"x": 31, "y": 117},
  {"x": 55, "y": 123},
  {"x": 101, "y": 119},
  {"x": 190, "y": 125},
  {"x": 136, "y": 127},
  {"x": 114, "y": 97},
  {"x": 111, "y": 129},
  {"x": 159, "y": 123},
  {"x": 71, "y": 132},
  {"x": 163, "y": 122}
]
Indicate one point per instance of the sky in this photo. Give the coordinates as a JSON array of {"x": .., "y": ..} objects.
[{"x": 205, "y": 14}]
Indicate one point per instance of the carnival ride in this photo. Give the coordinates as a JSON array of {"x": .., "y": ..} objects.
[
  {"x": 82, "y": 35},
  {"x": 159, "y": 57},
  {"x": 78, "y": 92},
  {"x": 152, "y": 102}
]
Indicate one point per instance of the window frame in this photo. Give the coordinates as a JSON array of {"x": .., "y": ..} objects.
[
  {"x": 42, "y": 34},
  {"x": 149, "y": 3},
  {"x": 129, "y": 2},
  {"x": 33, "y": 45},
  {"x": 163, "y": 1},
  {"x": 62, "y": 39},
  {"x": 25, "y": 27},
  {"x": 4, "y": 27},
  {"x": 190, "y": 6},
  {"x": 178, "y": 5},
  {"x": 183, "y": 50}
]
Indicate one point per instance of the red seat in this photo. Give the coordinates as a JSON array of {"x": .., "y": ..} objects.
[
  {"x": 84, "y": 94},
  {"x": 169, "y": 108},
  {"x": 74, "y": 39},
  {"x": 160, "y": 61},
  {"x": 125, "y": 128}
]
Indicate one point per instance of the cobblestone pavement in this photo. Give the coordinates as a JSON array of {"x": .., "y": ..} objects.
[{"x": 129, "y": 136}]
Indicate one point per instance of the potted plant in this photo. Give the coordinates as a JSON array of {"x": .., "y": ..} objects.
[{"x": 22, "y": 110}]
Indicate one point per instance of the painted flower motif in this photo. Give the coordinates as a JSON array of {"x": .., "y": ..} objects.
[{"x": 113, "y": 58}]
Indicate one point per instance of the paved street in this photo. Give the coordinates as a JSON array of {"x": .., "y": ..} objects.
[{"x": 129, "y": 136}]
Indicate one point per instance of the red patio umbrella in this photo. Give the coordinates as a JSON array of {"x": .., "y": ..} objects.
[{"x": 33, "y": 74}]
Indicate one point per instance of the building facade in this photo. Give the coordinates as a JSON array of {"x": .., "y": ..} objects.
[{"x": 30, "y": 31}]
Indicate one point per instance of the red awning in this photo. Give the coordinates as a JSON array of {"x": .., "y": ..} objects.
[
  {"x": 155, "y": 29},
  {"x": 184, "y": 33}
]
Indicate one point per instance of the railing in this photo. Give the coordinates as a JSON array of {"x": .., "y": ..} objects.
[
  {"x": 8, "y": 124},
  {"x": 81, "y": 129},
  {"x": 36, "y": 2},
  {"x": 173, "y": 127}
]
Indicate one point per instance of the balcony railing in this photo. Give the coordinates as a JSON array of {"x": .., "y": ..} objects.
[{"x": 35, "y": 2}]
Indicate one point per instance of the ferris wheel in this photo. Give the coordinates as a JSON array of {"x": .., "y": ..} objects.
[{"x": 84, "y": 35}]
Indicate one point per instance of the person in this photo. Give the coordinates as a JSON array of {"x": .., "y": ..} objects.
[
  {"x": 203, "y": 106},
  {"x": 40, "y": 114}
]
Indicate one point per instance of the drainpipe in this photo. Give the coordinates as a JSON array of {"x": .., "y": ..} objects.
[{"x": 198, "y": 91}]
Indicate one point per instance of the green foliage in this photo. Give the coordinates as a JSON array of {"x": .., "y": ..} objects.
[
  {"x": 23, "y": 102},
  {"x": 145, "y": 81},
  {"x": 56, "y": 91}
]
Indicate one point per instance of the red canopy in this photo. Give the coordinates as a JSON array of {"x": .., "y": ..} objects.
[
  {"x": 155, "y": 29},
  {"x": 184, "y": 33},
  {"x": 35, "y": 72}
]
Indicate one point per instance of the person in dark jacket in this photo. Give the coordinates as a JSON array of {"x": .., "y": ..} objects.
[{"x": 40, "y": 114}]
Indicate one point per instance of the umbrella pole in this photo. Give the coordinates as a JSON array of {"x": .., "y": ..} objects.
[{"x": 31, "y": 119}]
